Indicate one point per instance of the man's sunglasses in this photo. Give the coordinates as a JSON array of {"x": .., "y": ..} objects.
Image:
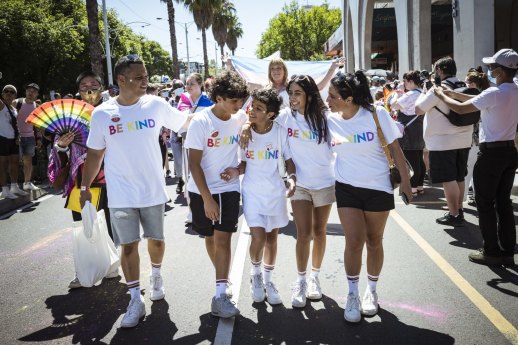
[{"x": 12, "y": 92}]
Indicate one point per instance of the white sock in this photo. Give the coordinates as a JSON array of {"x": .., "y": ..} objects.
[
  {"x": 353, "y": 284},
  {"x": 256, "y": 268},
  {"x": 372, "y": 281},
  {"x": 301, "y": 277},
  {"x": 14, "y": 185},
  {"x": 221, "y": 287},
  {"x": 5, "y": 189},
  {"x": 267, "y": 273},
  {"x": 314, "y": 272},
  {"x": 155, "y": 269},
  {"x": 134, "y": 289}
]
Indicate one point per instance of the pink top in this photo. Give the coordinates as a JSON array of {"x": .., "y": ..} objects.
[{"x": 26, "y": 130}]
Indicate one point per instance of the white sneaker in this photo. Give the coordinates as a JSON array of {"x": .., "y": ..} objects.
[
  {"x": 29, "y": 186},
  {"x": 272, "y": 294},
  {"x": 188, "y": 219},
  {"x": 16, "y": 190},
  {"x": 74, "y": 284},
  {"x": 6, "y": 194},
  {"x": 370, "y": 302},
  {"x": 314, "y": 291},
  {"x": 113, "y": 274},
  {"x": 298, "y": 298},
  {"x": 156, "y": 288},
  {"x": 257, "y": 287},
  {"x": 223, "y": 307},
  {"x": 136, "y": 311},
  {"x": 352, "y": 309}
]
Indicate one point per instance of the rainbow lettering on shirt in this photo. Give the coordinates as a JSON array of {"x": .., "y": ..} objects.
[
  {"x": 364, "y": 137},
  {"x": 131, "y": 126},
  {"x": 304, "y": 135},
  {"x": 262, "y": 155},
  {"x": 217, "y": 142}
]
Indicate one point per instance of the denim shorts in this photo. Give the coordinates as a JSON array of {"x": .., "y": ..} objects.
[
  {"x": 27, "y": 146},
  {"x": 126, "y": 223}
]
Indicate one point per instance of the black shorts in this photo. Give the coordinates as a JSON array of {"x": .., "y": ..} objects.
[
  {"x": 8, "y": 147},
  {"x": 229, "y": 208},
  {"x": 365, "y": 199},
  {"x": 449, "y": 165}
]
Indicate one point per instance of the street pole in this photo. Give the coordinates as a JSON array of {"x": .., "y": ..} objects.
[
  {"x": 187, "y": 44},
  {"x": 107, "y": 45},
  {"x": 216, "y": 58}
]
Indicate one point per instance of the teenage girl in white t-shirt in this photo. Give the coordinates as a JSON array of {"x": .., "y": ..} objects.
[
  {"x": 364, "y": 194},
  {"x": 264, "y": 192}
]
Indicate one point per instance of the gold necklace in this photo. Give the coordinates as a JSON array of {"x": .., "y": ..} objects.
[{"x": 266, "y": 130}]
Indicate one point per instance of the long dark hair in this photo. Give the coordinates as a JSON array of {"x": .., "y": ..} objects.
[
  {"x": 355, "y": 85},
  {"x": 315, "y": 108}
]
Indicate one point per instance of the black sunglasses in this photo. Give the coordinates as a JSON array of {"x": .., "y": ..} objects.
[{"x": 12, "y": 92}]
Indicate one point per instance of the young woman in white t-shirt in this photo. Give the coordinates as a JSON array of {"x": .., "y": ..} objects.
[
  {"x": 264, "y": 192},
  {"x": 212, "y": 141},
  {"x": 364, "y": 194}
]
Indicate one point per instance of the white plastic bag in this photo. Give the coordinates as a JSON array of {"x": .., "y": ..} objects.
[{"x": 94, "y": 252}]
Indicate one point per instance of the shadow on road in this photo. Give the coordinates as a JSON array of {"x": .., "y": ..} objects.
[
  {"x": 86, "y": 314},
  {"x": 327, "y": 326}
]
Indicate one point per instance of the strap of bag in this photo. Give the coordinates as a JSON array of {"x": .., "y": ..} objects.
[
  {"x": 14, "y": 122},
  {"x": 410, "y": 122},
  {"x": 384, "y": 145},
  {"x": 280, "y": 160}
]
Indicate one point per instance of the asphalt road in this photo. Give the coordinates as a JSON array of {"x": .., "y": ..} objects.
[{"x": 429, "y": 292}]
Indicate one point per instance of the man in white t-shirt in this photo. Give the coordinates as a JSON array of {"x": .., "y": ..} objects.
[
  {"x": 212, "y": 143},
  {"x": 449, "y": 145},
  {"x": 496, "y": 164},
  {"x": 124, "y": 131}
]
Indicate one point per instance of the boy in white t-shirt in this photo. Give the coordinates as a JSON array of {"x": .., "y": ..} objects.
[
  {"x": 212, "y": 141},
  {"x": 264, "y": 192}
]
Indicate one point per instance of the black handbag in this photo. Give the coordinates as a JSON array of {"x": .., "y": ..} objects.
[{"x": 395, "y": 176}]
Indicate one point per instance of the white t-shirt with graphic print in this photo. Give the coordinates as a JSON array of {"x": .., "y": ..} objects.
[
  {"x": 360, "y": 160},
  {"x": 313, "y": 161},
  {"x": 132, "y": 161},
  {"x": 218, "y": 140},
  {"x": 262, "y": 187}
]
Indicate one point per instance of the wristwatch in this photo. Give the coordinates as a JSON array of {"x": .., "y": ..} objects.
[{"x": 84, "y": 188}]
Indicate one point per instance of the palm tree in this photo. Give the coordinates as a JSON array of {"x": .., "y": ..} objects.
[
  {"x": 203, "y": 14},
  {"x": 235, "y": 32},
  {"x": 172, "y": 33},
  {"x": 96, "y": 59},
  {"x": 222, "y": 17}
]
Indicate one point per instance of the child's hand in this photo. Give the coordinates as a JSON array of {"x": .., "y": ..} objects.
[{"x": 229, "y": 174}]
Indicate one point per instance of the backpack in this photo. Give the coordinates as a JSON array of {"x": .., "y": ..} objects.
[{"x": 455, "y": 118}]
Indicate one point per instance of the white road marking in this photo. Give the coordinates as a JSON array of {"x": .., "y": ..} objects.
[{"x": 226, "y": 326}]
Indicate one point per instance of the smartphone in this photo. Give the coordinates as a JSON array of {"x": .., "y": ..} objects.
[
  {"x": 428, "y": 84},
  {"x": 437, "y": 81},
  {"x": 404, "y": 198}
]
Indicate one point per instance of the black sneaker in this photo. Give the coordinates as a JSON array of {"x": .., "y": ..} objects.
[
  {"x": 461, "y": 213},
  {"x": 179, "y": 186},
  {"x": 448, "y": 219},
  {"x": 480, "y": 257},
  {"x": 508, "y": 260}
]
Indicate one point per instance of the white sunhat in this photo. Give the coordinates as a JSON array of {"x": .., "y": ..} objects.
[{"x": 504, "y": 57}]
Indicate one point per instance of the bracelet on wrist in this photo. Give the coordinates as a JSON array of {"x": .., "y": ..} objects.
[
  {"x": 85, "y": 188},
  {"x": 61, "y": 149},
  {"x": 292, "y": 176}
]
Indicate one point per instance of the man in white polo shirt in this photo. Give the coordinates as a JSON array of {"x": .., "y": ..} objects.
[{"x": 124, "y": 131}]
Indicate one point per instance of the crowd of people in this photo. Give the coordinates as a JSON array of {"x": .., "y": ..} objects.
[{"x": 314, "y": 151}]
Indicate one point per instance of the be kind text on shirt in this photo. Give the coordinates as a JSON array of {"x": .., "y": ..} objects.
[{"x": 131, "y": 126}]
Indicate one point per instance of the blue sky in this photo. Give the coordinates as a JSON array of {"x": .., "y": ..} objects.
[{"x": 254, "y": 15}]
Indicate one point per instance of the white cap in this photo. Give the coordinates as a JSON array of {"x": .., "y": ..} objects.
[{"x": 504, "y": 57}]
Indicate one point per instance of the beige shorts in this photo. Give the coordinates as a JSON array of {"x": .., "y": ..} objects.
[{"x": 319, "y": 197}]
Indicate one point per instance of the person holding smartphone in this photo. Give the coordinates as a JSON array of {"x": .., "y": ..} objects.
[{"x": 364, "y": 193}]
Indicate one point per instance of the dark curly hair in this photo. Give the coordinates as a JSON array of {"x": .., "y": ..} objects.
[
  {"x": 228, "y": 84},
  {"x": 270, "y": 98},
  {"x": 315, "y": 109},
  {"x": 414, "y": 76},
  {"x": 355, "y": 85}
]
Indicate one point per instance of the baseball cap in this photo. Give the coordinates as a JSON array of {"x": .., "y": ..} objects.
[
  {"x": 33, "y": 85},
  {"x": 9, "y": 87},
  {"x": 504, "y": 57},
  {"x": 375, "y": 78},
  {"x": 113, "y": 87}
]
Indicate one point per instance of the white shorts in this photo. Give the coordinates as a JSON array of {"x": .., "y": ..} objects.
[{"x": 269, "y": 223}]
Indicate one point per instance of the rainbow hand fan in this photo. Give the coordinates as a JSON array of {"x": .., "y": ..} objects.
[{"x": 62, "y": 116}]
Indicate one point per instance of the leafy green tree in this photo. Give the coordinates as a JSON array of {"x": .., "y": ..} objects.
[
  {"x": 235, "y": 32},
  {"x": 309, "y": 28},
  {"x": 203, "y": 15}
]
